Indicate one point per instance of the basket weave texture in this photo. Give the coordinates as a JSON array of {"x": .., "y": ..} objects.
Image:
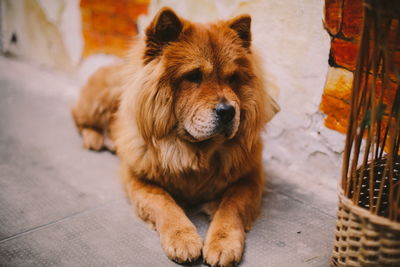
[{"x": 361, "y": 237}]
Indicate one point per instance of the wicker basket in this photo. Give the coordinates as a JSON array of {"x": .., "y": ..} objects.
[
  {"x": 363, "y": 238},
  {"x": 368, "y": 217}
]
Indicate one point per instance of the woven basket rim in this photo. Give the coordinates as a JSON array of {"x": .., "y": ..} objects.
[{"x": 364, "y": 213}]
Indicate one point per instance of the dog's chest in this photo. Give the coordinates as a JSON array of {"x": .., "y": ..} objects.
[{"x": 197, "y": 187}]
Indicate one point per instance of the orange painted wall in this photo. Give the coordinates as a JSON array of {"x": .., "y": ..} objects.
[{"x": 109, "y": 25}]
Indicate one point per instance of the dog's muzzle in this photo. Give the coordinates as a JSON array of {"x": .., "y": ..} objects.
[{"x": 221, "y": 120}]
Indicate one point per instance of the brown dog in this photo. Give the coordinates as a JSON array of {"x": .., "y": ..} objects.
[{"x": 191, "y": 106}]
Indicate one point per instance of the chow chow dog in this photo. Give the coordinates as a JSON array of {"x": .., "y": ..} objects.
[{"x": 185, "y": 113}]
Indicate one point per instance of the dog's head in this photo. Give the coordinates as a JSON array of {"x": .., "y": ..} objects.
[{"x": 208, "y": 86}]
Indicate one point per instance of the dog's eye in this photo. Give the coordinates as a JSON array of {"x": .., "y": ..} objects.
[
  {"x": 233, "y": 79},
  {"x": 194, "y": 76}
]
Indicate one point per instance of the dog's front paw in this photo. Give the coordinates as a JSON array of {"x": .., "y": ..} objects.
[
  {"x": 181, "y": 244},
  {"x": 224, "y": 248},
  {"x": 92, "y": 139}
]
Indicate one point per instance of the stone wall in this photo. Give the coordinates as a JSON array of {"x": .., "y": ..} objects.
[{"x": 343, "y": 21}]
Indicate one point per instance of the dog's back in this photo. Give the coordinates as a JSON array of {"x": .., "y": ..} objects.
[{"x": 94, "y": 111}]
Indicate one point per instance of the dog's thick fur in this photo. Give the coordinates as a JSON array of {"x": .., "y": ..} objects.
[{"x": 174, "y": 149}]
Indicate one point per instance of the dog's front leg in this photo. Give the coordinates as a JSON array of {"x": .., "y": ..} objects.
[
  {"x": 234, "y": 215},
  {"x": 178, "y": 235}
]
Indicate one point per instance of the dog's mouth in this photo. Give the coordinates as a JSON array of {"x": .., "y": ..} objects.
[
  {"x": 209, "y": 129},
  {"x": 189, "y": 137},
  {"x": 221, "y": 132}
]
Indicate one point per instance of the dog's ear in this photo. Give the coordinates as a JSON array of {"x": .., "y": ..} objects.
[
  {"x": 241, "y": 25},
  {"x": 165, "y": 28}
]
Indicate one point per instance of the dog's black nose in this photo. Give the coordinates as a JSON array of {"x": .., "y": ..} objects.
[{"x": 225, "y": 112}]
